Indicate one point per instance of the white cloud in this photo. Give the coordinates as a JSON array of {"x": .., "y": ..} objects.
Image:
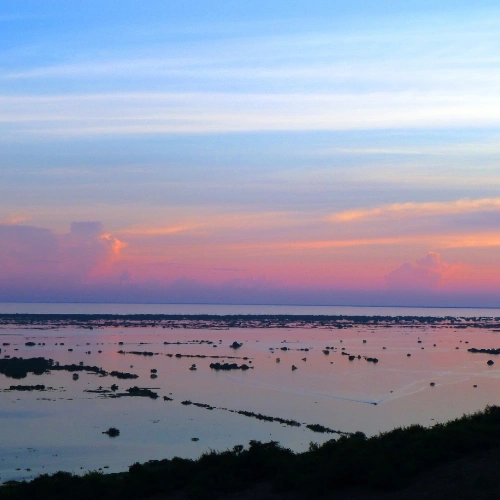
[
  {"x": 149, "y": 113},
  {"x": 412, "y": 210}
]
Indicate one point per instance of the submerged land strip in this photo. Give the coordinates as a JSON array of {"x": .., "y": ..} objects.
[{"x": 19, "y": 368}]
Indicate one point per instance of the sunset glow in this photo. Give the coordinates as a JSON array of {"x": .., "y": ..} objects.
[{"x": 254, "y": 152}]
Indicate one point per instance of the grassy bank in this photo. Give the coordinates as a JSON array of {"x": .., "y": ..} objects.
[{"x": 382, "y": 463}]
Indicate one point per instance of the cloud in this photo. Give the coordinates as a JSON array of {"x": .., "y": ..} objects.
[
  {"x": 33, "y": 257},
  {"x": 122, "y": 113},
  {"x": 413, "y": 210},
  {"x": 13, "y": 219},
  {"x": 85, "y": 230},
  {"x": 87, "y": 250},
  {"x": 26, "y": 251},
  {"x": 425, "y": 274},
  {"x": 220, "y": 223}
]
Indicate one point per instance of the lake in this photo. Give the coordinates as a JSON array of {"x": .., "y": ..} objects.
[{"x": 61, "y": 427}]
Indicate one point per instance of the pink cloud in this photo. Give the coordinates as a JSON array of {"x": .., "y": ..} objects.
[
  {"x": 427, "y": 273},
  {"x": 87, "y": 251},
  {"x": 31, "y": 256}
]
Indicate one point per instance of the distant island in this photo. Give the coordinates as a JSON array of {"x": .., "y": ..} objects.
[{"x": 213, "y": 321}]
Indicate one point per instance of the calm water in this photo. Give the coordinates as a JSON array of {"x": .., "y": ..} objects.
[
  {"x": 55, "y": 308},
  {"x": 62, "y": 428}
]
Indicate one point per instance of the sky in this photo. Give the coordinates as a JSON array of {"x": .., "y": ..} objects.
[{"x": 266, "y": 152}]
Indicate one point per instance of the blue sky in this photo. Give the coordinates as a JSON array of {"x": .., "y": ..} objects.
[{"x": 175, "y": 123}]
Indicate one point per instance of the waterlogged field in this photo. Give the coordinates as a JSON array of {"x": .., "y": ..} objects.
[{"x": 214, "y": 384}]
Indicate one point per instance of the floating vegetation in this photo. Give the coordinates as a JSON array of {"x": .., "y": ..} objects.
[
  {"x": 484, "y": 351},
  {"x": 112, "y": 432},
  {"x": 322, "y": 429},
  {"x": 138, "y": 353},
  {"x": 39, "y": 387},
  {"x": 209, "y": 342},
  {"x": 132, "y": 391},
  {"x": 78, "y": 368},
  {"x": 229, "y": 366},
  {"x": 142, "y": 392},
  {"x": 100, "y": 390},
  {"x": 267, "y": 418},
  {"x": 202, "y": 356},
  {"x": 203, "y": 405},
  {"x": 20, "y": 367},
  {"x": 123, "y": 375}
]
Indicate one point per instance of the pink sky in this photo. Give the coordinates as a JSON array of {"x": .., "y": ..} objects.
[
  {"x": 257, "y": 152},
  {"x": 390, "y": 254}
]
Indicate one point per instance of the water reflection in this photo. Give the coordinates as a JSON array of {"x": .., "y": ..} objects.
[{"x": 62, "y": 428}]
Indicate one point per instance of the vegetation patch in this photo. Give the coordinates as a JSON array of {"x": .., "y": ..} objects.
[
  {"x": 19, "y": 367},
  {"x": 229, "y": 366},
  {"x": 142, "y": 392},
  {"x": 322, "y": 429},
  {"x": 112, "y": 432},
  {"x": 484, "y": 351},
  {"x": 267, "y": 418},
  {"x": 205, "y": 356},
  {"x": 39, "y": 387},
  {"x": 138, "y": 353},
  {"x": 123, "y": 375}
]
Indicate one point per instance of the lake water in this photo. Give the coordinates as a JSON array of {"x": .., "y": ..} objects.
[
  {"x": 222, "y": 309},
  {"x": 61, "y": 428}
]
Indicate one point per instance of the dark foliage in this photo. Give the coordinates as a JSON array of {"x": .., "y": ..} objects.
[
  {"x": 142, "y": 392},
  {"x": 19, "y": 367},
  {"x": 38, "y": 387},
  {"x": 229, "y": 366},
  {"x": 123, "y": 375},
  {"x": 112, "y": 432},
  {"x": 484, "y": 351}
]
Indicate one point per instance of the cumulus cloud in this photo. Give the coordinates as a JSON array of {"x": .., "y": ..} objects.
[
  {"x": 87, "y": 249},
  {"x": 425, "y": 274},
  {"x": 33, "y": 257}
]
